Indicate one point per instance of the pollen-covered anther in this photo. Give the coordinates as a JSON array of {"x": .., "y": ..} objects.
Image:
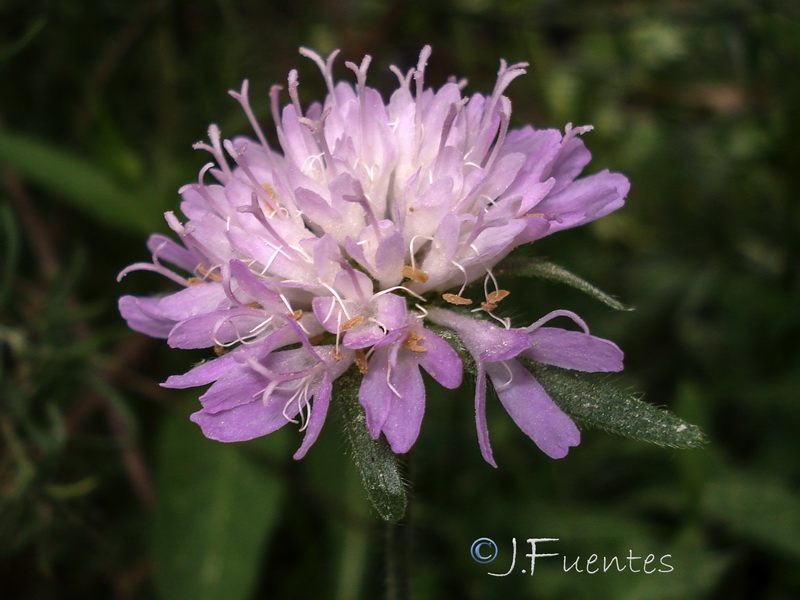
[
  {"x": 414, "y": 274},
  {"x": 209, "y": 273},
  {"x": 336, "y": 355},
  {"x": 496, "y": 296},
  {"x": 488, "y": 306},
  {"x": 350, "y": 323},
  {"x": 270, "y": 191},
  {"x": 361, "y": 361},
  {"x": 455, "y": 299},
  {"x": 220, "y": 350},
  {"x": 296, "y": 315},
  {"x": 412, "y": 342},
  {"x": 254, "y": 305},
  {"x": 194, "y": 280}
]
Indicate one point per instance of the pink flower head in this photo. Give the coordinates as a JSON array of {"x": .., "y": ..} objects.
[{"x": 337, "y": 250}]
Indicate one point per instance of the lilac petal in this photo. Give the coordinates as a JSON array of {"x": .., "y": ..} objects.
[
  {"x": 325, "y": 310},
  {"x": 319, "y": 410},
  {"x": 573, "y": 350},
  {"x": 253, "y": 286},
  {"x": 438, "y": 262},
  {"x": 263, "y": 249},
  {"x": 389, "y": 258},
  {"x": 316, "y": 207},
  {"x": 357, "y": 253},
  {"x": 572, "y": 158},
  {"x": 503, "y": 173},
  {"x": 194, "y": 300},
  {"x": 353, "y": 285},
  {"x": 374, "y": 394},
  {"x": 242, "y": 423},
  {"x": 208, "y": 371},
  {"x": 532, "y": 194},
  {"x": 239, "y": 385},
  {"x": 532, "y": 409},
  {"x": 585, "y": 200},
  {"x": 497, "y": 240},
  {"x": 363, "y": 337},
  {"x": 425, "y": 212},
  {"x": 440, "y": 360},
  {"x": 166, "y": 249},
  {"x": 537, "y": 226},
  {"x": 480, "y": 415},
  {"x": 145, "y": 316},
  {"x": 390, "y": 310},
  {"x": 215, "y": 328},
  {"x": 404, "y": 420},
  {"x": 327, "y": 258},
  {"x": 485, "y": 341}
]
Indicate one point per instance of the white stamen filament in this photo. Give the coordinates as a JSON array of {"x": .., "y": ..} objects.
[
  {"x": 411, "y": 247},
  {"x": 389, "y": 380},
  {"x": 466, "y": 277},
  {"x": 338, "y": 299},
  {"x": 379, "y": 324},
  {"x": 510, "y": 377},
  {"x": 402, "y": 288},
  {"x": 489, "y": 275}
]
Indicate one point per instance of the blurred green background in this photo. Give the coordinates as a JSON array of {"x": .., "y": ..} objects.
[{"x": 107, "y": 490}]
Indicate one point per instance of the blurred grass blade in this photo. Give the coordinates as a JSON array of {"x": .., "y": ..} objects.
[
  {"x": 10, "y": 251},
  {"x": 77, "y": 181},
  {"x": 756, "y": 507},
  {"x": 593, "y": 401},
  {"x": 379, "y": 466},
  {"x": 520, "y": 266},
  {"x": 214, "y": 513},
  {"x": 33, "y": 30},
  {"x": 699, "y": 567}
]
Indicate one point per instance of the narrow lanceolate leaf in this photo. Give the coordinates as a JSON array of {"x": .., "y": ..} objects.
[
  {"x": 535, "y": 267},
  {"x": 76, "y": 181},
  {"x": 214, "y": 514},
  {"x": 379, "y": 466},
  {"x": 9, "y": 251},
  {"x": 594, "y": 402}
]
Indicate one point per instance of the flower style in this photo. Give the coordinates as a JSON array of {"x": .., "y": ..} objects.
[{"x": 355, "y": 246}]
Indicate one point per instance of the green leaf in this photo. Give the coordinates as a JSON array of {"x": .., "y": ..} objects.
[
  {"x": 10, "y": 252},
  {"x": 214, "y": 514},
  {"x": 756, "y": 507},
  {"x": 589, "y": 398},
  {"x": 697, "y": 570},
  {"x": 33, "y": 30},
  {"x": 379, "y": 466},
  {"x": 518, "y": 266},
  {"x": 77, "y": 181}
]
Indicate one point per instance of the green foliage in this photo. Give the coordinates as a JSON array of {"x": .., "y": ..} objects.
[
  {"x": 215, "y": 512},
  {"x": 520, "y": 266},
  {"x": 79, "y": 182}
]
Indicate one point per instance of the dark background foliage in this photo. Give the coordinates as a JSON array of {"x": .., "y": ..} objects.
[{"x": 108, "y": 492}]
